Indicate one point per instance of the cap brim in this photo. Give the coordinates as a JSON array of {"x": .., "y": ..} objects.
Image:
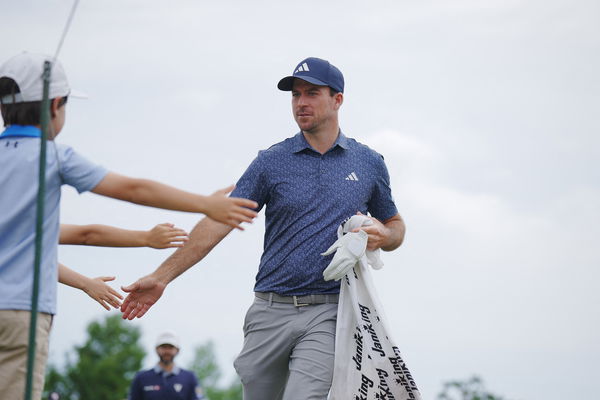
[
  {"x": 169, "y": 343},
  {"x": 287, "y": 83},
  {"x": 78, "y": 94}
]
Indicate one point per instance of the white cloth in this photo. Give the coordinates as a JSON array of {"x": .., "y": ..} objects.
[
  {"x": 350, "y": 248},
  {"x": 368, "y": 365}
]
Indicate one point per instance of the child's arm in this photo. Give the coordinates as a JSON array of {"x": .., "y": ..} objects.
[
  {"x": 95, "y": 288},
  {"x": 160, "y": 237},
  {"x": 231, "y": 211}
]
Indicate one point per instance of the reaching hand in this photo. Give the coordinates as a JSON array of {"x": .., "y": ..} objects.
[
  {"x": 164, "y": 236},
  {"x": 102, "y": 293},
  {"x": 348, "y": 250},
  {"x": 231, "y": 211},
  {"x": 142, "y": 295}
]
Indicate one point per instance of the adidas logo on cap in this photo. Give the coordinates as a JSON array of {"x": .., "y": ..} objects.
[{"x": 302, "y": 68}]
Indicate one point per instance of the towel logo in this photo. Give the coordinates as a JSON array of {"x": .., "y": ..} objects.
[{"x": 352, "y": 177}]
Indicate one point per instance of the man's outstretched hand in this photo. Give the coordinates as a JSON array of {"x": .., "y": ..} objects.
[{"x": 142, "y": 295}]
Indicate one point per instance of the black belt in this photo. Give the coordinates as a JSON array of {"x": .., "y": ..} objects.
[{"x": 299, "y": 301}]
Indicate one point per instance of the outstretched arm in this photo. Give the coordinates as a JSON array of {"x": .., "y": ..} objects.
[
  {"x": 147, "y": 290},
  {"x": 95, "y": 288},
  {"x": 162, "y": 236},
  {"x": 231, "y": 211},
  {"x": 387, "y": 236}
]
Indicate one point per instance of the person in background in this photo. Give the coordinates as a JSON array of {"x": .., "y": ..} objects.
[{"x": 166, "y": 380}]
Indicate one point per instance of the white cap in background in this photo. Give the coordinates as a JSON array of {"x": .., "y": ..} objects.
[{"x": 167, "y": 338}]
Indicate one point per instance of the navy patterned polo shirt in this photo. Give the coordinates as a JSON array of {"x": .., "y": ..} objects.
[{"x": 307, "y": 196}]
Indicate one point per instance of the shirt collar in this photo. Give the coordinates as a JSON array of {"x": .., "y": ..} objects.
[
  {"x": 22, "y": 131},
  {"x": 174, "y": 371},
  {"x": 299, "y": 142}
]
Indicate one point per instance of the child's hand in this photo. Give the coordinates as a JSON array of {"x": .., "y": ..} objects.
[
  {"x": 231, "y": 211},
  {"x": 164, "y": 236},
  {"x": 102, "y": 293}
]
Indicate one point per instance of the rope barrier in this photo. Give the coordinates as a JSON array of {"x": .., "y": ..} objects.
[{"x": 65, "y": 30}]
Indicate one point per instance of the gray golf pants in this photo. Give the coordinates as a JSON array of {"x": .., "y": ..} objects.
[{"x": 288, "y": 351}]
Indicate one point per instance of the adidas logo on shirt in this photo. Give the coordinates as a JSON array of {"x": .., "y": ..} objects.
[
  {"x": 352, "y": 177},
  {"x": 302, "y": 68}
]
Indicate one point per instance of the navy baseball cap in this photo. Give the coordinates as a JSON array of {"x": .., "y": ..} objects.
[{"x": 316, "y": 71}]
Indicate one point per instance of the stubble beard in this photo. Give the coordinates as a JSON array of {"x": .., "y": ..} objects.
[
  {"x": 168, "y": 361},
  {"x": 308, "y": 128}
]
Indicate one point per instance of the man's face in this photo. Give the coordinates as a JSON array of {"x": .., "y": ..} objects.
[
  {"x": 313, "y": 106},
  {"x": 167, "y": 353}
]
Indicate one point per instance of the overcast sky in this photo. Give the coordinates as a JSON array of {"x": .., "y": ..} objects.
[{"x": 486, "y": 113}]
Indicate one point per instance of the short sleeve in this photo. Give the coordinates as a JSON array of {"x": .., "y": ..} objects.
[
  {"x": 252, "y": 185},
  {"x": 198, "y": 393},
  {"x": 381, "y": 204},
  {"x": 77, "y": 171},
  {"x": 135, "y": 392}
]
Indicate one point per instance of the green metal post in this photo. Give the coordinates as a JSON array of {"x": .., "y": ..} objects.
[{"x": 45, "y": 120}]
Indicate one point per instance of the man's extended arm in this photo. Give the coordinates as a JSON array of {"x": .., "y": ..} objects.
[
  {"x": 147, "y": 290},
  {"x": 387, "y": 236}
]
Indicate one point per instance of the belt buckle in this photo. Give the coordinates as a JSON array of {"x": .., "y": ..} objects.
[{"x": 299, "y": 304}]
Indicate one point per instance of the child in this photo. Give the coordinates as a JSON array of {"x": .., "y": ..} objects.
[{"x": 20, "y": 103}]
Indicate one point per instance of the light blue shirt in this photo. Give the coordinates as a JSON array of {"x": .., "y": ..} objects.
[{"x": 19, "y": 169}]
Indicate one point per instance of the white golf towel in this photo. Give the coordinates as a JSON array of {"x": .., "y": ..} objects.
[{"x": 368, "y": 364}]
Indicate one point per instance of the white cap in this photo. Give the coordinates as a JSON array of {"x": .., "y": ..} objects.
[
  {"x": 167, "y": 338},
  {"x": 26, "y": 70}
]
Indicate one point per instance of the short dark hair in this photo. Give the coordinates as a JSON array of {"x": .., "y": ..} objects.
[
  {"x": 24, "y": 113},
  {"x": 333, "y": 92}
]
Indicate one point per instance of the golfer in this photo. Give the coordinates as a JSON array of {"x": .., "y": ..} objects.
[{"x": 309, "y": 184}]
